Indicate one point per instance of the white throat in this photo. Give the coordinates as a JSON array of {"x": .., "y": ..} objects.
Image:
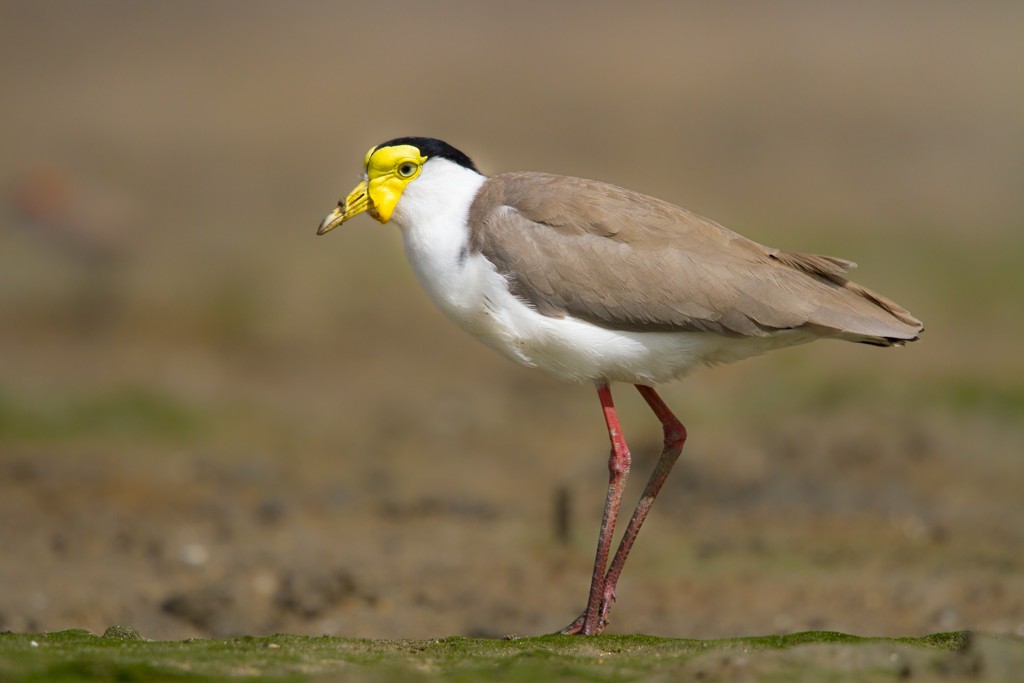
[{"x": 432, "y": 214}]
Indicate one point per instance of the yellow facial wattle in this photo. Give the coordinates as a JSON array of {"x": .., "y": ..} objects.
[{"x": 388, "y": 171}]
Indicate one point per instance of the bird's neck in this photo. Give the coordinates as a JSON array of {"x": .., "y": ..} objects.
[{"x": 433, "y": 215}]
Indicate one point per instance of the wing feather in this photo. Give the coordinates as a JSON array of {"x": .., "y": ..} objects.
[{"x": 622, "y": 260}]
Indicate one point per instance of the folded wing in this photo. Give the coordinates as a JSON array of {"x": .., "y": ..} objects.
[{"x": 623, "y": 260}]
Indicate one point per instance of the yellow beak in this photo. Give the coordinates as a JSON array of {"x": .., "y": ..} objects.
[{"x": 357, "y": 201}]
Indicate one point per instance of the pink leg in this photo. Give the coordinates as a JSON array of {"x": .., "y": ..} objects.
[
  {"x": 675, "y": 437},
  {"x": 604, "y": 583},
  {"x": 590, "y": 622}
]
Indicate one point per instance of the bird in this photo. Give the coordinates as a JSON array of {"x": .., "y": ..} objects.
[{"x": 596, "y": 283}]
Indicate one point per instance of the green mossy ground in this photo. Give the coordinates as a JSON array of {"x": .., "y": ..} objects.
[{"x": 121, "y": 655}]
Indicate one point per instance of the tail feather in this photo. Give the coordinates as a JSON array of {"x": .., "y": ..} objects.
[{"x": 882, "y": 323}]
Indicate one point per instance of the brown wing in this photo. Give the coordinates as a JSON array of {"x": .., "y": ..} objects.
[{"x": 627, "y": 261}]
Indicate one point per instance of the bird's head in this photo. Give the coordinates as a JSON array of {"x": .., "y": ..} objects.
[{"x": 389, "y": 168}]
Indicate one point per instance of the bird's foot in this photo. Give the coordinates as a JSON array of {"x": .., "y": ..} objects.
[
  {"x": 576, "y": 627},
  {"x": 579, "y": 626}
]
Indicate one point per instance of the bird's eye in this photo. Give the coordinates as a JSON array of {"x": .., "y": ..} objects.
[{"x": 407, "y": 169}]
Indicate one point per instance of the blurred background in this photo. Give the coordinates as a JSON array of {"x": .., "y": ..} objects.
[{"x": 213, "y": 422}]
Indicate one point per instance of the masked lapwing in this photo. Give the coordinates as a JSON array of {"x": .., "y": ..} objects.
[{"x": 592, "y": 282}]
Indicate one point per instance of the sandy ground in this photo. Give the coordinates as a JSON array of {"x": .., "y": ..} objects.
[{"x": 213, "y": 423}]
